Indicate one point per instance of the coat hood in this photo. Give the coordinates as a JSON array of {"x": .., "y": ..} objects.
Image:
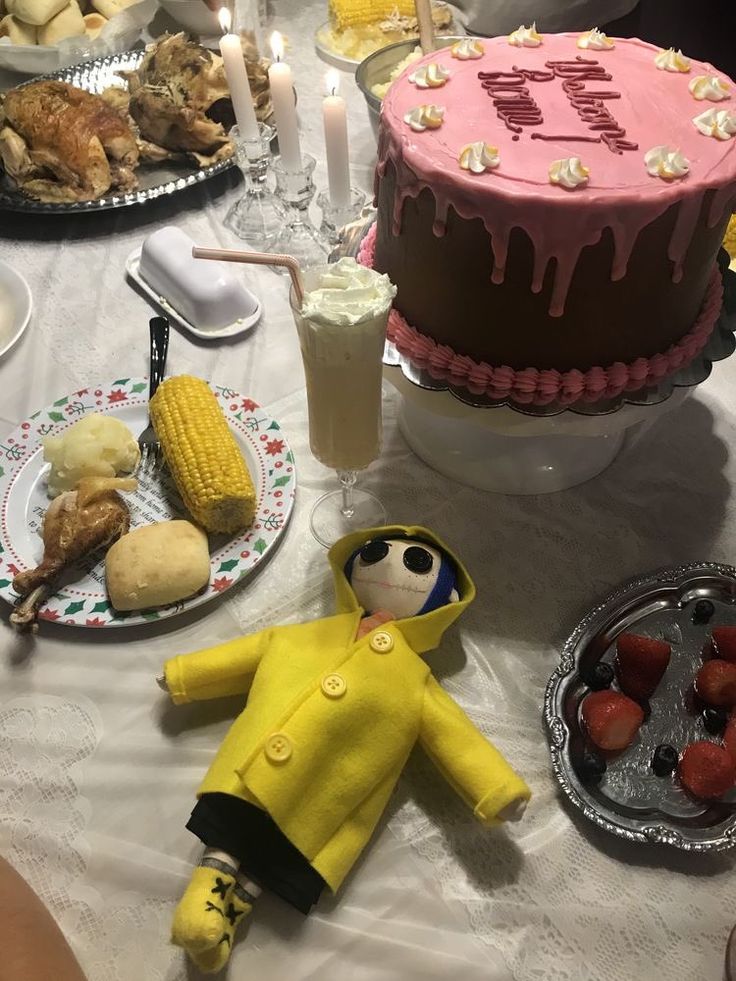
[{"x": 423, "y": 632}]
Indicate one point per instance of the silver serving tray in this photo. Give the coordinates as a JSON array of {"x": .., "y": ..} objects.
[
  {"x": 720, "y": 346},
  {"x": 630, "y": 801},
  {"x": 155, "y": 180}
]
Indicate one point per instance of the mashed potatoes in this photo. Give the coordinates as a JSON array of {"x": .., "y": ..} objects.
[
  {"x": 381, "y": 88},
  {"x": 96, "y": 446}
]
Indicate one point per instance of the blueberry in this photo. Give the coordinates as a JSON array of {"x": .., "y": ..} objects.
[
  {"x": 598, "y": 676},
  {"x": 664, "y": 760},
  {"x": 714, "y": 720},
  {"x": 592, "y": 767},
  {"x": 703, "y": 611}
]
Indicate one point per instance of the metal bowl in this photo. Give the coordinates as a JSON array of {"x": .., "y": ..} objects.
[
  {"x": 377, "y": 68},
  {"x": 630, "y": 801}
]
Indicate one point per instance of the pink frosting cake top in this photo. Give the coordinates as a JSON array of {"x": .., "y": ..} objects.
[{"x": 629, "y": 122}]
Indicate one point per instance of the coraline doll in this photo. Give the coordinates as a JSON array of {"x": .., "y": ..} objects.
[{"x": 334, "y": 708}]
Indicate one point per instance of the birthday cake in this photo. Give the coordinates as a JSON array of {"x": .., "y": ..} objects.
[{"x": 550, "y": 209}]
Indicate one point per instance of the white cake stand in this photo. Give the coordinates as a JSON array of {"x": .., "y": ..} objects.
[
  {"x": 510, "y": 449},
  {"x": 499, "y": 449}
]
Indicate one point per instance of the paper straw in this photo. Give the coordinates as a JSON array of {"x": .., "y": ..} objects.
[
  {"x": 258, "y": 259},
  {"x": 426, "y": 25}
]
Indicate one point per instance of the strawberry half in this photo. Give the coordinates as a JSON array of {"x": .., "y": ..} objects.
[
  {"x": 706, "y": 770},
  {"x": 640, "y": 664},
  {"x": 723, "y": 643},
  {"x": 612, "y": 719},
  {"x": 716, "y": 682},
  {"x": 729, "y": 738}
]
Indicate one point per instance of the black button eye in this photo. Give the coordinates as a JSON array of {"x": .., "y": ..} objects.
[
  {"x": 373, "y": 552},
  {"x": 418, "y": 560}
]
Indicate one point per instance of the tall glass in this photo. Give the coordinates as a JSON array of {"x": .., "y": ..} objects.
[{"x": 343, "y": 368}]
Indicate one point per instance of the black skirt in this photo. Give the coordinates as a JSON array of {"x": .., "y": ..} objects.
[{"x": 253, "y": 837}]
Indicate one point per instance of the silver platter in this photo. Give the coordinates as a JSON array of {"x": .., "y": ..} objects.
[
  {"x": 630, "y": 801},
  {"x": 155, "y": 180},
  {"x": 720, "y": 346}
]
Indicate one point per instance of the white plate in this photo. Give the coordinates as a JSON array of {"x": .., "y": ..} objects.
[
  {"x": 132, "y": 266},
  {"x": 81, "y": 598},
  {"x": 15, "y": 307}
]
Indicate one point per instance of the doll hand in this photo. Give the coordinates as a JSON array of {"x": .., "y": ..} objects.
[
  {"x": 513, "y": 811},
  {"x": 161, "y": 682}
]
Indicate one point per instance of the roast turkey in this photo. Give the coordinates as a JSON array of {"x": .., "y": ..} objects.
[{"x": 61, "y": 144}]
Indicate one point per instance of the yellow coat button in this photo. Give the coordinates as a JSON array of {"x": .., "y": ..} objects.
[
  {"x": 334, "y": 685},
  {"x": 278, "y": 748},
  {"x": 382, "y": 642}
]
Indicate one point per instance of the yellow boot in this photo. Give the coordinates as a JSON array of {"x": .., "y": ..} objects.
[
  {"x": 199, "y": 919},
  {"x": 235, "y": 909}
]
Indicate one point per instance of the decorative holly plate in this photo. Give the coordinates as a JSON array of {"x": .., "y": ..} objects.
[{"x": 81, "y": 598}]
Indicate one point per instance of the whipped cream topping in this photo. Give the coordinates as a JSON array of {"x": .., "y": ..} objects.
[
  {"x": 468, "y": 49},
  {"x": 666, "y": 162},
  {"x": 595, "y": 40},
  {"x": 569, "y": 173},
  {"x": 479, "y": 157},
  {"x": 425, "y": 117},
  {"x": 348, "y": 294},
  {"x": 431, "y": 76},
  {"x": 719, "y": 123},
  {"x": 709, "y": 87},
  {"x": 525, "y": 37},
  {"x": 672, "y": 61}
]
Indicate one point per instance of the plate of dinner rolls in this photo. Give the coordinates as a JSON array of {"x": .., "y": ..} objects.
[{"x": 40, "y": 36}]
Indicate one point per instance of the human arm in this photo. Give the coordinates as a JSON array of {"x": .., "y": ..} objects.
[
  {"x": 33, "y": 947},
  {"x": 227, "y": 669},
  {"x": 469, "y": 763}
]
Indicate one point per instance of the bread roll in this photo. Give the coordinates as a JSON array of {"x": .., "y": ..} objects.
[
  {"x": 17, "y": 31},
  {"x": 68, "y": 23},
  {"x": 108, "y": 8},
  {"x": 93, "y": 24},
  {"x": 35, "y": 12},
  {"x": 157, "y": 564}
]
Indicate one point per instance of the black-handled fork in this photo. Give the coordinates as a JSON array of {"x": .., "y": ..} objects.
[{"x": 148, "y": 443}]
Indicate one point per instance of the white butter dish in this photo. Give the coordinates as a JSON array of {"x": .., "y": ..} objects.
[{"x": 206, "y": 298}]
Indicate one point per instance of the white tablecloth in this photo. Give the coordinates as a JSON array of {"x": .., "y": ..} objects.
[{"x": 98, "y": 771}]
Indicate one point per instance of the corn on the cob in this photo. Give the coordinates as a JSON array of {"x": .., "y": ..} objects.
[
  {"x": 202, "y": 454},
  {"x": 353, "y": 13},
  {"x": 729, "y": 242}
]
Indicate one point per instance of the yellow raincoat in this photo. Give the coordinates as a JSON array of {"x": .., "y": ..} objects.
[{"x": 330, "y": 721}]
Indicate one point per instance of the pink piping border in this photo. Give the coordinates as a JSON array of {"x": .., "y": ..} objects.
[{"x": 541, "y": 387}]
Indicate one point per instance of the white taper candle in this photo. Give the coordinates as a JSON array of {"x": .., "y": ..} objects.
[
  {"x": 237, "y": 79},
  {"x": 284, "y": 110},
  {"x": 335, "y": 119}
]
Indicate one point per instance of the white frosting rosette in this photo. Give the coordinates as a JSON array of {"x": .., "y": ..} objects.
[
  {"x": 425, "y": 117},
  {"x": 431, "y": 76},
  {"x": 469, "y": 49},
  {"x": 595, "y": 40},
  {"x": 672, "y": 61},
  {"x": 525, "y": 37},
  {"x": 666, "y": 162},
  {"x": 718, "y": 123},
  {"x": 479, "y": 157},
  {"x": 709, "y": 87},
  {"x": 569, "y": 173}
]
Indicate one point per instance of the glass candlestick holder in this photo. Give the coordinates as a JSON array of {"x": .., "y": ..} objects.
[
  {"x": 298, "y": 236},
  {"x": 334, "y": 219},
  {"x": 259, "y": 216}
]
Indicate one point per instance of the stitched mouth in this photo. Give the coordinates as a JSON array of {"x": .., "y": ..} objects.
[{"x": 387, "y": 585}]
